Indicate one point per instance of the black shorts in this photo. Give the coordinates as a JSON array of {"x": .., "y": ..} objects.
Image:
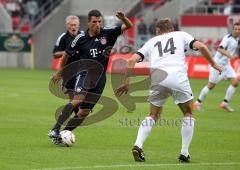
[
  {"x": 91, "y": 90},
  {"x": 69, "y": 86}
]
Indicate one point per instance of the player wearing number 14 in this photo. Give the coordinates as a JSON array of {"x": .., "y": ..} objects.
[{"x": 166, "y": 56}]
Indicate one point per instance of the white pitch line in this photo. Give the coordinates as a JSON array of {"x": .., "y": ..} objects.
[{"x": 142, "y": 165}]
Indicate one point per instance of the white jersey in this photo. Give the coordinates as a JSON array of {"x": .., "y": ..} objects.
[
  {"x": 167, "y": 51},
  {"x": 230, "y": 44},
  {"x": 166, "y": 55}
]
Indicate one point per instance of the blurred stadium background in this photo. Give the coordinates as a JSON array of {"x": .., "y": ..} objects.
[
  {"x": 37, "y": 23},
  {"x": 28, "y": 31}
]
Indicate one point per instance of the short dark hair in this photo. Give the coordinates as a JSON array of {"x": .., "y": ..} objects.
[
  {"x": 236, "y": 23},
  {"x": 94, "y": 13},
  {"x": 165, "y": 25}
]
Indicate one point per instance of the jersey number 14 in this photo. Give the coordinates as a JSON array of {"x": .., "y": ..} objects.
[{"x": 168, "y": 48}]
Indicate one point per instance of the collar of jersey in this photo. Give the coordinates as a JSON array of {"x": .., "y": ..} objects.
[
  {"x": 70, "y": 34},
  {"x": 87, "y": 34}
]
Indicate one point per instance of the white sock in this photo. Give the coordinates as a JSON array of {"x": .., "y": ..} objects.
[
  {"x": 203, "y": 93},
  {"x": 187, "y": 133},
  {"x": 229, "y": 93},
  {"x": 143, "y": 131}
]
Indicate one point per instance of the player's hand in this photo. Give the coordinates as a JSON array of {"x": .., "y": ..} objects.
[
  {"x": 120, "y": 15},
  {"x": 122, "y": 89},
  {"x": 217, "y": 67},
  {"x": 56, "y": 78}
]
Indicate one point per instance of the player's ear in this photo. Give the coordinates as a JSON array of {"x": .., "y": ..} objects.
[{"x": 158, "y": 32}]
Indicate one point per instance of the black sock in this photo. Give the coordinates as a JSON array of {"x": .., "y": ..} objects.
[
  {"x": 199, "y": 101},
  {"x": 226, "y": 101},
  {"x": 74, "y": 123},
  {"x": 66, "y": 113}
]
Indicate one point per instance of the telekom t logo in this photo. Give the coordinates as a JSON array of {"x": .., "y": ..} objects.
[{"x": 93, "y": 52}]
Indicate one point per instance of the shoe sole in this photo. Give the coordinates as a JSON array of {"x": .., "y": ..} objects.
[
  {"x": 181, "y": 161},
  {"x": 136, "y": 156},
  {"x": 184, "y": 161},
  {"x": 54, "y": 137},
  {"x": 57, "y": 142}
]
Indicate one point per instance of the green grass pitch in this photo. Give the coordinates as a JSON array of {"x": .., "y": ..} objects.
[{"x": 27, "y": 114}]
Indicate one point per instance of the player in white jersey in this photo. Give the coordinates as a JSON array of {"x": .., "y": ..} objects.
[
  {"x": 165, "y": 52},
  {"x": 228, "y": 49}
]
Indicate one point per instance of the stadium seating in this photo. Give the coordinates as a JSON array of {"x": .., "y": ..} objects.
[{"x": 18, "y": 10}]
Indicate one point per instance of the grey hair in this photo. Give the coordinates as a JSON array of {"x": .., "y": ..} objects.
[{"x": 71, "y": 17}]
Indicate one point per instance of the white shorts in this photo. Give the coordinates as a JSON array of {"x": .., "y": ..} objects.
[
  {"x": 228, "y": 72},
  {"x": 176, "y": 85}
]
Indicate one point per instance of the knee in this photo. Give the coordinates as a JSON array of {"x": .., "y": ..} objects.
[
  {"x": 76, "y": 102},
  {"x": 155, "y": 116},
  {"x": 71, "y": 96},
  {"x": 235, "y": 83},
  {"x": 77, "y": 99},
  {"x": 188, "y": 114},
  {"x": 211, "y": 86},
  {"x": 83, "y": 113}
]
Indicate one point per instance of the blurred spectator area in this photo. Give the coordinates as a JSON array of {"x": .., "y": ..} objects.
[
  {"x": 216, "y": 7},
  {"x": 154, "y": 4},
  {"x": 206, "y": 20},
  {"x": 26, "y": 14},
  {"x": 212, "y": 44}
]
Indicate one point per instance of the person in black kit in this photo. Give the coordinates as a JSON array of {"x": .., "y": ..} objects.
[
  {"x": 72, "y": 23},
  {"x": 90, "y": 48}
]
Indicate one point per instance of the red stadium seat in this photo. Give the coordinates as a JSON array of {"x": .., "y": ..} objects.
[
  {"x": 25, "y": 28},
  {"x": 152, "y": 1},
  {"x": 218, "y": 1},
  {"x": 209, "y": 43},
  {"x": 15, "y": 21},
  {"x": 216, "y": 44}
]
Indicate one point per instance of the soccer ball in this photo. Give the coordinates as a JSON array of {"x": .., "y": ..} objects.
[{"x": 68, "y": 138}]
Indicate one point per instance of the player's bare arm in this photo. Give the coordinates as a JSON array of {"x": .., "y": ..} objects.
[
  {"x": 207, "y": 54},
  {"x": 124, "y": 88},
  {"x": 226, "y": 53},
  {"x": 56, "y": 77},
  {"x": 126, "y": 22},
  {"x": 63, "y": 60},
  {"x": 58, "y": 54}
]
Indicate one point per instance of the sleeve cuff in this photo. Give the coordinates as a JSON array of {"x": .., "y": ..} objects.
[
  {"x": 141, "y": 55},
  {"x": 221, "y": 47},
  {"x": 191, "y": 45}
]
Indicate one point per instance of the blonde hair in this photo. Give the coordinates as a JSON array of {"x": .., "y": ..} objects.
[{"x": 165, "y": 25}]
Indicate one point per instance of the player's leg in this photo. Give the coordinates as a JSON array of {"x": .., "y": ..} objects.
[
  {"x": 214, "y": 78},
  {"x": 143, "y": 132},
  {"x": 78, "y": 119},
  {"x": 74, "y": 87},
  {"x": 231, "y": 89},
  {"x": 157, "y": 98},
  {"x": 183, "y": 97},
  {"x": 204, "y": 92},
  {"x": 147, "y": 124},
  {"x": 71, "y": 96},
  {"x": 91, "y": 99},
  {"x": 187, "y": 129},
  {"x": 64, "y": 115}
]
